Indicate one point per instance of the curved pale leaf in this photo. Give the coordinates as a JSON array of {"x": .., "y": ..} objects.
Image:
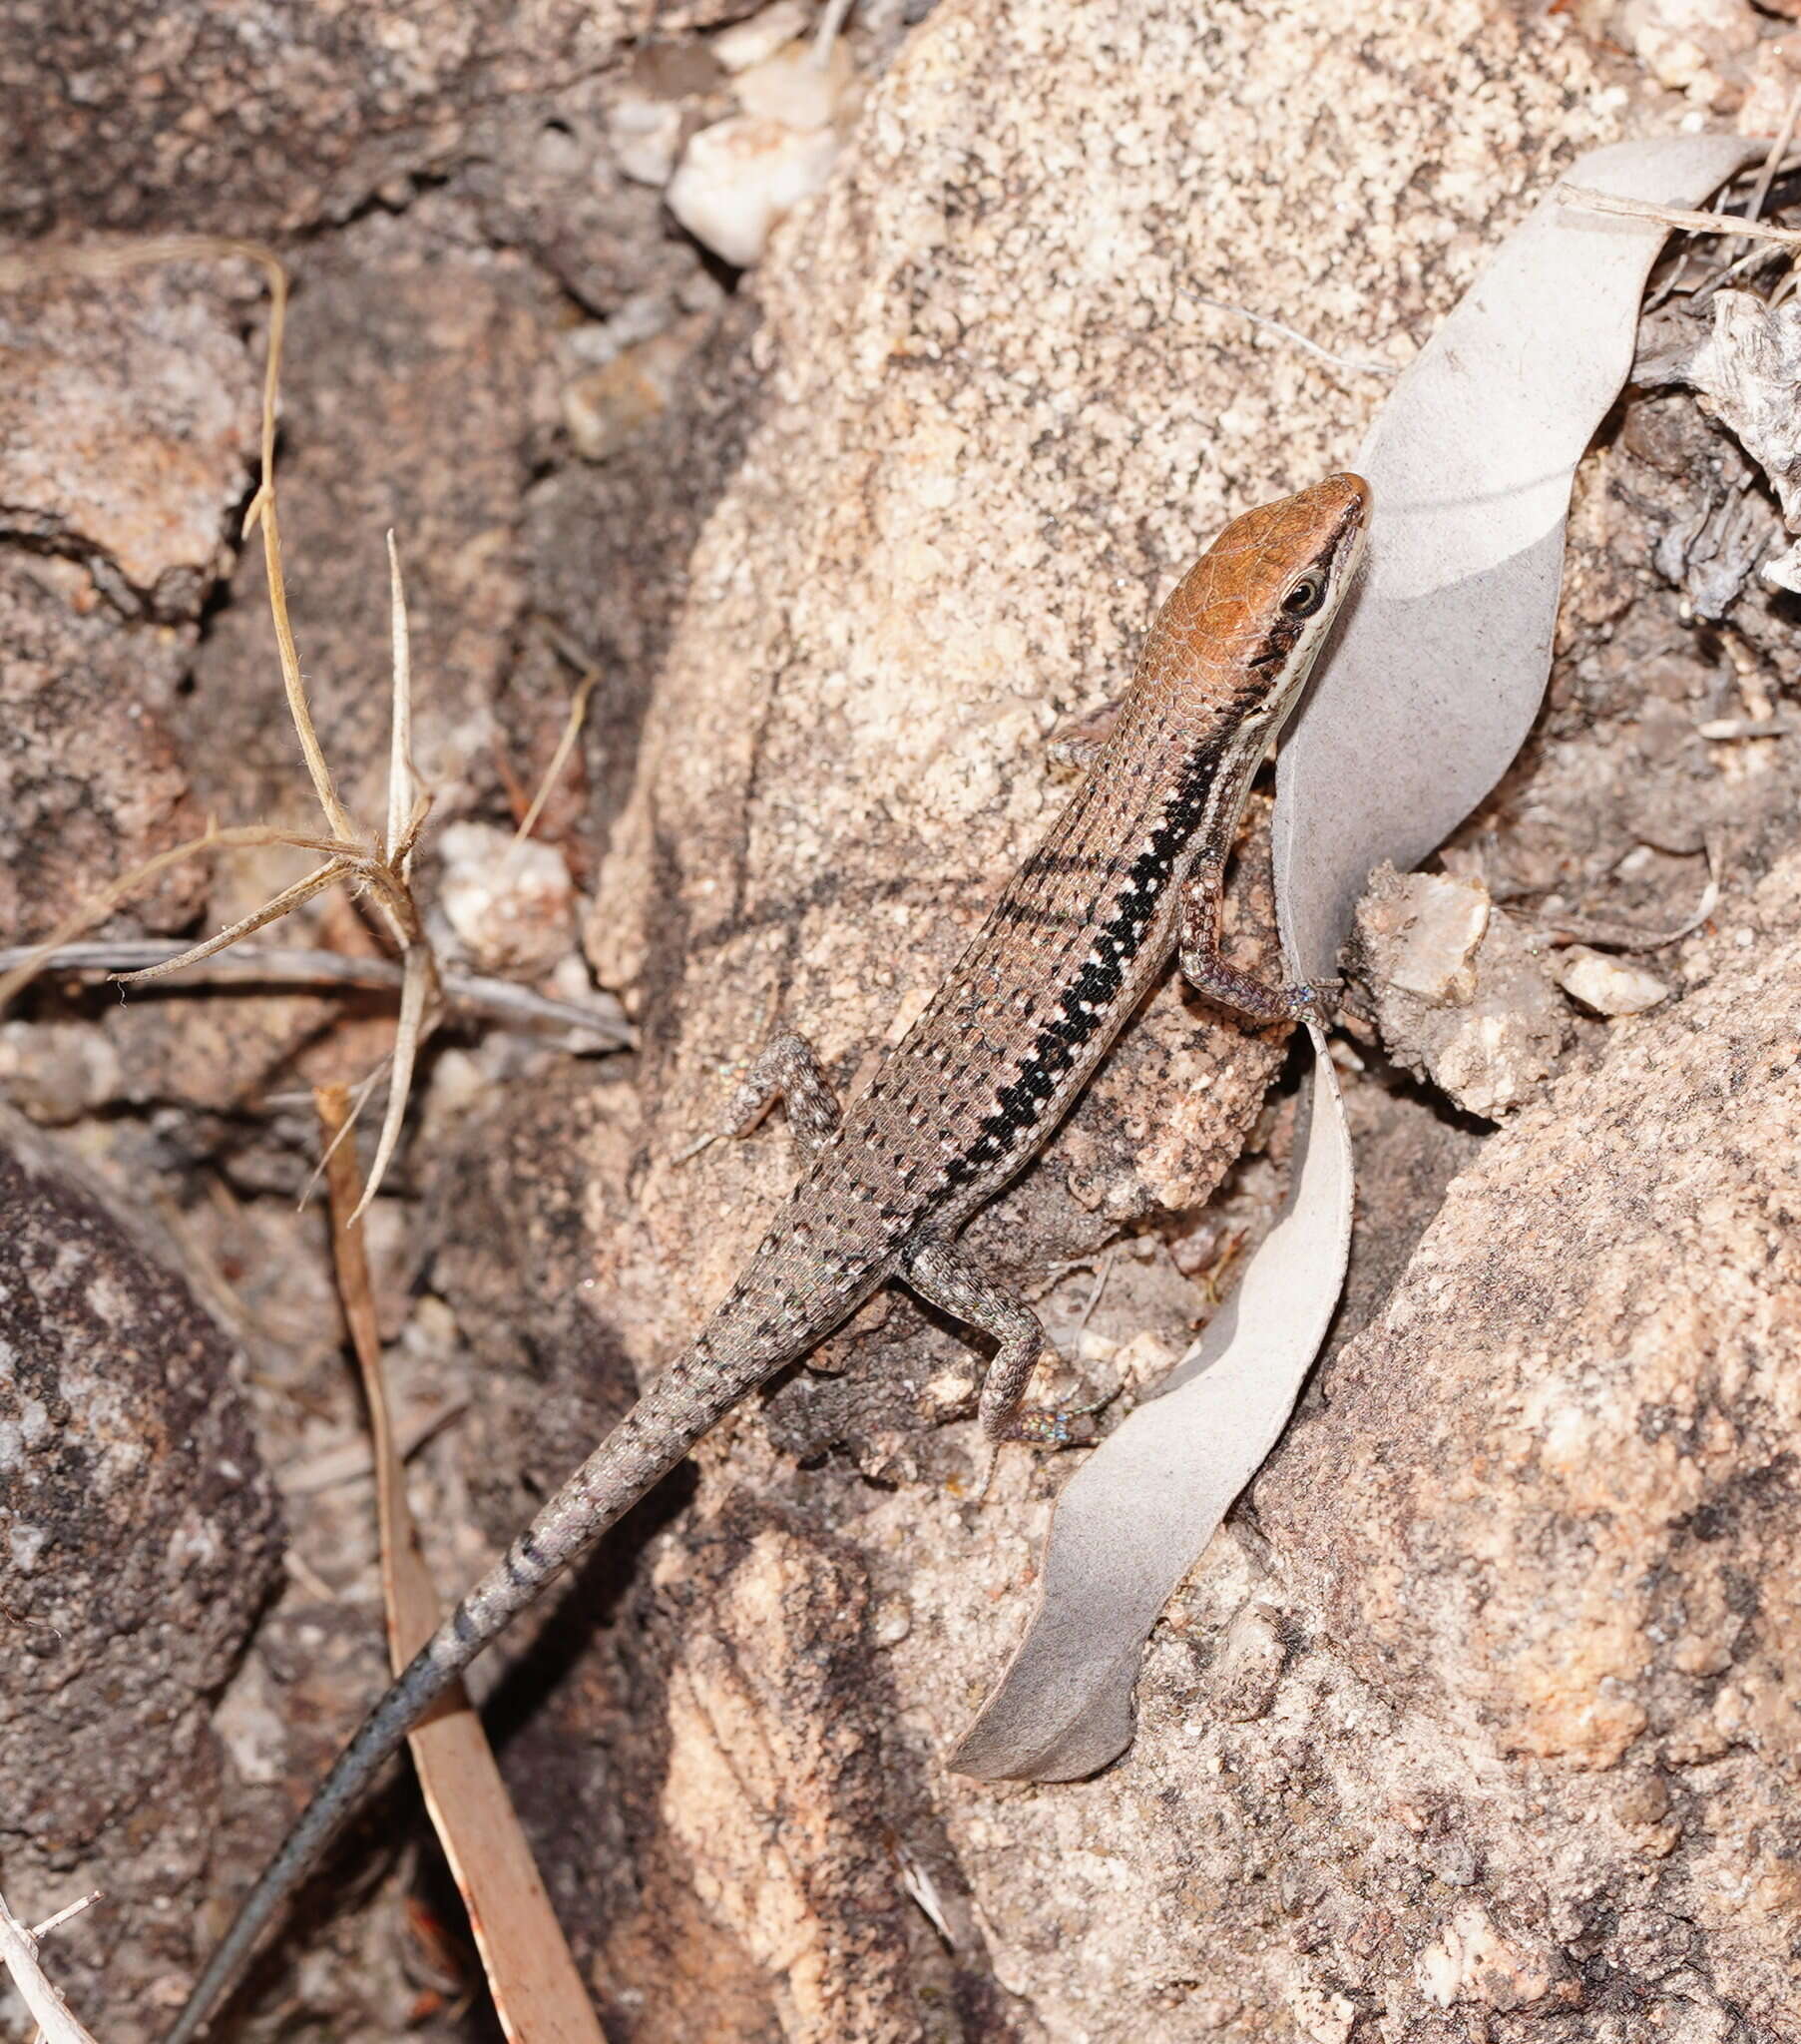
[{"x": 1434, "y": 681}]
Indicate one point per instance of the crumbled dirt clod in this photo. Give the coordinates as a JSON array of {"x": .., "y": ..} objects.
[
  {"x": 1457, "y": 991},
  {"x": 1607, "y": 987}
]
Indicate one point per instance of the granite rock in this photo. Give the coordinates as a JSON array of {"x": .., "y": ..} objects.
[
  {"x": 112, "y": 537},
  {"x": 141, "y": 1536}
]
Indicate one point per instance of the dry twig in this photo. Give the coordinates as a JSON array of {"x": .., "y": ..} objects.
[
  {"x": 19, "y": 1954},
  {"x": 577, "y": 709},
  {"x": 380, "y": 863},
  {"x": 831, "y": 23},
  {"x": 1678, "y": 217},
  {"x": 57, "y": 1918},
  {"x": 499, "y": 1000},
  {"x": 1778, "y": 150},
  {"x": 1350, "y": 363},
  {"x": 37, "y": 956},
  {"x": 1610, "y": 933},
  {"x": 538, "y": 1993}
]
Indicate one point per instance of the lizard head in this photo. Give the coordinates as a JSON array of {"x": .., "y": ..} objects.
[
  {"x": 1232, "y": 649},
  {"x": 1237, "y": 636}
]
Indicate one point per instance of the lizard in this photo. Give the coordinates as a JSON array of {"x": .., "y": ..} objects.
[{"x": 1129, "y": 872}]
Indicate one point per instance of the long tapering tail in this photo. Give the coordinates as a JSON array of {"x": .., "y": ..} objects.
[
  {"x": 791, "y": 1295},
  {"x": 684, "y": 1403}
]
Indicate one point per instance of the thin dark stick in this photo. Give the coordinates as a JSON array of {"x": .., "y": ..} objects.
[
  {"x": 499, "y": 999},
  {"x": 1778, "y": 150}
]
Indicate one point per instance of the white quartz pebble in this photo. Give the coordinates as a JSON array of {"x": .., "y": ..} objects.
[
  {"x": 1607, "y": 987},
  {"x": 740, "y": 176}
]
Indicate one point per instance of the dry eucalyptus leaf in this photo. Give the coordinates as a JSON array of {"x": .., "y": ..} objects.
[
  {"x": 1168, "y": 1473},
  {"x": 1434, "y": 681},
  {"x": 1439, "y": 672}
]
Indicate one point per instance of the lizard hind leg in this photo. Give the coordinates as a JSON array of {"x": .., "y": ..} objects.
[
  {"x": 944, "y": 1276},
  {"x": 787, "y": 1069}
]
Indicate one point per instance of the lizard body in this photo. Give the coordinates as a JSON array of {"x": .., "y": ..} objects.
[{"x": 1129, "y": 872}]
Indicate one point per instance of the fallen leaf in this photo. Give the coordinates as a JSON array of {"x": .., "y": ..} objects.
[{"x": 1435, "y": 680}]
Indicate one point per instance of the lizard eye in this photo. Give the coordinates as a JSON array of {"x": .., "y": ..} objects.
[{"x": 1305, "y": 598}]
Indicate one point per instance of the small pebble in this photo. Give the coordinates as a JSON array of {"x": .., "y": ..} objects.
[
  {"x": 949, "y": 1390},
  {"x": 790, "y": 88},
  {"x": 749, "y": 42},
  {"x": 1421, "y": 932},
  {"x": 645, "y": 135},
  {"x": 512, "y": 906},
  {"x": 1607, "y": 986},
  {"x": 1249, "y": 1668},
  {"x": 605, "y": 407},
  {"x": 891, "y": 1622},
  {"x": 1722, "y": 729},
  {"x": 740, "y": 177},
  {"x": 1446, "y": 922}
]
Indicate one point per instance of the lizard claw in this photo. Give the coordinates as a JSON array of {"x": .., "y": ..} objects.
[
  {"x": 1058, "y": 1426},
  {"x": 1044, "y": 1427},
  {"x": 1314, "y": 1000}
]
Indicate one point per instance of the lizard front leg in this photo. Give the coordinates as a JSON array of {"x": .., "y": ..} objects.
[
  {"x": 788, "y": 1070},
  {"x": 1208, "y": 971},
  {"x": 1075, "y": 740},
  {"x": 944, "y": 1276}
]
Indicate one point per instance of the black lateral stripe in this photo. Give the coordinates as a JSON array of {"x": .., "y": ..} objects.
[
  {"x": 1279, "y": 641},
  {"x": 1088, "y": 1004},
  {"x": 1069, "y": 863}
]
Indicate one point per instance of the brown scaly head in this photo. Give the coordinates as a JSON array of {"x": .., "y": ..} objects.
[
  {"x": 1230, "y": 651},
  {"x": 1239, "y": 634}
]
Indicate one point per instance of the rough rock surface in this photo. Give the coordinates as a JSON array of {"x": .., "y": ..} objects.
[
  {"x": 110, "y": 537},
  {"x": 203, "y": 117},
  {"x": 841, "y": 570},
  {"x": 140, "y": 1537},
  {"x": 611, "y": 548},
  {"x": 415, "y": 380},
  {"x": 957, "y": 521},
  {"x": 772, "y": 1733},
  {"x": 996, "y": 432},
  {"x": 1542, "y": 1540}
]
